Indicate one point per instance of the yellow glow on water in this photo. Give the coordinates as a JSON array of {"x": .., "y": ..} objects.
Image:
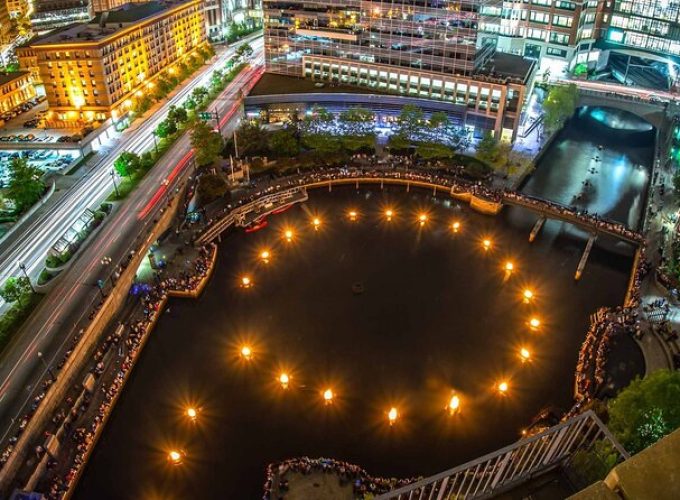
[
  {"x": 454, "y": 405},
  {"x": 246, "y": 352},
  {"x": 525, "y": 354},
  {"x": 392, "y": 415}
]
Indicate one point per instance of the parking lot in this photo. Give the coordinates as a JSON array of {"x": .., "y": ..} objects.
[
  {"x": 26, "y": 124},
  {"x": 47, "y": 160}
]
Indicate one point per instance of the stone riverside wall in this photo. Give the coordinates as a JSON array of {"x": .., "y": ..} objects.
[{"x": 82, "y": 354}]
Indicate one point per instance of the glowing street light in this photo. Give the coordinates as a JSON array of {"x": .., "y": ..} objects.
[
  {"x": 192, "y": 413},
  {"x": 316, "y": 222},
  {"x": 422, "y": 219},
  {"x": 246, "y": 352},
  {"x": 455, "y": 226},
  {"x": 352, "y": 215},
  {"x": 528, "y": 295},
  {"x": 284, "y": 380},
  {"x": 534, "y": 323},
  {"x": 389, "y": 213},
  {"x": 328, "y": 396},
  {"x": 503, "y": 387},
  {"x": 246, "y": 282},
  {"x": 454, "y": 405},
  {"x": 392, "y": 415},
  {"x": 486, "y": 244},
  {"x": 288, "y": 234},
  {"x": 175, "y": 457},
  {"x": 509, "y": 267},
  {"x": 524, "y": 354},
  {"x": 264, "y": 256}
]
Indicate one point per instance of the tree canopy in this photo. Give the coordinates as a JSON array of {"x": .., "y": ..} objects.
[
  {"x": 211, "y": 187},
  {"x": 206, "y": 142},
  {"x": 127, "y": 164},
  {"x": 15, "y": 289},
  {"x": 559, "y": 104},
  {"x": 283, "y": 143},
  {"x": 646, "y": 410},
  {"x": 25, "y": 185}
]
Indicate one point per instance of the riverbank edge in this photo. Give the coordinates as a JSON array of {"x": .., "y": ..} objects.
[{"x": 183, "y": 294}]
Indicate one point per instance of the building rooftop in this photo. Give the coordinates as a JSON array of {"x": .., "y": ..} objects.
[
  {"x": 271, "y": 83},
  {"x": 503, "y": 65},
  {"x": 8, "y": 77},
  {"x": 105, "y": 24}
]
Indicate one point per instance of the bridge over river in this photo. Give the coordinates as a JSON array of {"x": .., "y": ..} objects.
[{"x": 273, "y": 195}]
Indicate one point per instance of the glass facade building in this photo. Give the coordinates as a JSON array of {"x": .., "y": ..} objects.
[
  {"x": 419, "y": 48},
  {"x": 537, "y": 28},
  {"x": 651, "y": 25}
]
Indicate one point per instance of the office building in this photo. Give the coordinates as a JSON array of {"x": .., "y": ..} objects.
[
  {"x": 15, "y": 89},
  {"x": 91, "y": 71},
  {"x": 426, "y": 49}
]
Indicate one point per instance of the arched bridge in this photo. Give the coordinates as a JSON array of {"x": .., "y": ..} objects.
[{"x": 272, "y": 195}]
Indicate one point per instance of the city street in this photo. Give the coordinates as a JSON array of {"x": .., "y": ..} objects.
[
  {"x": 63, "y": 312},
  {"x": 30, "y": 244}
]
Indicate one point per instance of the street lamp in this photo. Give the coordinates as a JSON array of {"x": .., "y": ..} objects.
[
  {"x": 115, "y": 186},
  {"x": 155, "y": 142},
  {"x": 49, "y": 370},
  {"x": 22, "y": 266}
]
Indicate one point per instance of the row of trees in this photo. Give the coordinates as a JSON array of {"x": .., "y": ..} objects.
[
  {"x": 240, "y": 30},
  {"x": 355, "y": 130},
  {"x": 200, "y": 96},
  {"x": 170, "y": 78}
]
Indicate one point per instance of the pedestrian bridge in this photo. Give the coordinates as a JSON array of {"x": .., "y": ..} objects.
[
  {"x": 273, "y": 195},
  {"x": 556, "y": 211}
]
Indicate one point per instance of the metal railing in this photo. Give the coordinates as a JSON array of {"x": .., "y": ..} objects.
[
  {"x": 513, "y": 464},
  {"x": 261, "y": 206}
]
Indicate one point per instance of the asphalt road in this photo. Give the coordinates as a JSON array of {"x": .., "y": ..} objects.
[
  {"x": 31, "y": 244},
  {"x": 66, "y": 308}
]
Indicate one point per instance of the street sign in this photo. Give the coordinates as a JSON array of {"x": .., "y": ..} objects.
[{"x": 206, "y": 115}]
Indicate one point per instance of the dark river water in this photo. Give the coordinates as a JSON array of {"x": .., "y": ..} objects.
[{"x": 437, "y": 314}]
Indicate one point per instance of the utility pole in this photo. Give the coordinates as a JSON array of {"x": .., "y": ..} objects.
[
  {"x": 235, "y": 145},
  {"x": 49, "y": 370},
  {"x": 115, "y": 186},
  {"x": 22, "y": 266},
  {"x": 217, "y": 120}
]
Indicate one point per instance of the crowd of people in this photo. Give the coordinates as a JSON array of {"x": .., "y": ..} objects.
[
  {"x": 606, "y": 324},
  {"x": 582, "y": 215},
  {"x": 439, "y": 177},
  {"x": 277, "y": 479},
  {"x": 151, "y": 303}
]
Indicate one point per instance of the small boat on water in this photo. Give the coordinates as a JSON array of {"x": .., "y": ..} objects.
[
  {"x": 282, "y": 209},
  {"x": 257, "y": 225}
]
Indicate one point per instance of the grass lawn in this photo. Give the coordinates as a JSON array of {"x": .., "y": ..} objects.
[{"x": 11, "y": 321}]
